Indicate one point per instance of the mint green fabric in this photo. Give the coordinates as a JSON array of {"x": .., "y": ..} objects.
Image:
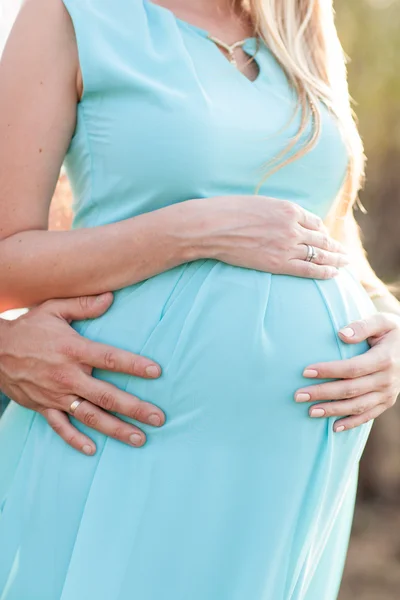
[{"x": 240, "y": 496}]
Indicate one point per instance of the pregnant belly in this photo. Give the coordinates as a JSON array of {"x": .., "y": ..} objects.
[
  {"x": 238, "y": 467},
  {"x": 232, "y": 344}
]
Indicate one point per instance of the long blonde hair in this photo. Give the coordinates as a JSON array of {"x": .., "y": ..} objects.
[{"x": 303, "y": 37}]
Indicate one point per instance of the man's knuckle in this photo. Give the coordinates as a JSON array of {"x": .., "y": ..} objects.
[
  {"x": 83, "y": 303},
  {"x": 106, "y": 401},
  {"x": 56, "y": 426},
  {"x": 61, "y": 377},
  {"x": 137, "y": 412},
  {"x": 118, "y": 432},
  {"x": 134, "y": 365},
  {"x": 72, "y": 439},
  {"x": 90, "y": 418},
  {"x": 110, "y": 360}
]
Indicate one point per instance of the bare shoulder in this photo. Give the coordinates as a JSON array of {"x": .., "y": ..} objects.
[
  {"x": 42, "y": 41},
  {"x": 38, "y": 110}
]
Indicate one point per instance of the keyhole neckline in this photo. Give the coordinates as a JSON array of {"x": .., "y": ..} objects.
[
  {"x": 250, "y": 44},
  {"x": 203, "y": 32}
]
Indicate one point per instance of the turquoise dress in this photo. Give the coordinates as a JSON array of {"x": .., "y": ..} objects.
[{"x": 241, "y": 495}]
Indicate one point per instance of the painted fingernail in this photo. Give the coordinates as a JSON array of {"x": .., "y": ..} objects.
[
  {"x": 348, "y": 332},
  {"x": 310, "y": 373},
  {"x": 87, "y": 449},
  {"x": 152, "y": 371},
  {"x": 301, "y": 397},
  {"x": 154, "y": 420},
  {"x": 339, "y": 429},
  {"x": 317, "y": 412},
  {"x": 136, "y": 439}
]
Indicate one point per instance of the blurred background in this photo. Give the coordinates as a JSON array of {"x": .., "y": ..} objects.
[{"x": 370, "y": 32}]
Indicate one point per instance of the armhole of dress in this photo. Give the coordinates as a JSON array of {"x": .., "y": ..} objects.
[{"x": 80, "y": 36}]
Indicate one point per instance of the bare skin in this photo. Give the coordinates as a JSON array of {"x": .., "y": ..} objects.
[
  {"x": 45, "y": 365},
  {"x": 41, "y": 84}
]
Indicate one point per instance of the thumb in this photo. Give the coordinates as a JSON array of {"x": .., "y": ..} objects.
[
  {"x": 373, "y": 326},
  {"x": 83, "y": 307}
]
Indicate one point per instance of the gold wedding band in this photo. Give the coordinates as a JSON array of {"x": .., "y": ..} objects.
[{"x": 74, "y": 406}]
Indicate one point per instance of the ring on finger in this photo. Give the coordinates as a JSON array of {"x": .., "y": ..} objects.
[
  {"x": 74, "y": 406},
  {"x": 311, "y": 253}
]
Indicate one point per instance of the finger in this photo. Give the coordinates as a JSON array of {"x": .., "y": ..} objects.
[
  {"x": 84, "y": 307},
  {"x": 112, "y": 399},
  {"x": 109, "y": 358},
  {"x": 309, "y": 220},
  {"x": 358, "y": 331},
  {"x": 341, "y": 390},
  {"x": 370, "y": 362},
  {"x": 322, "y": 241},
  {"x": 357, "y": 420},
  {"x": 94, "y": 417},
  {"x": 344, "y": 408},
  {"x": 323, "y": 257},
  {"x": 59, "y": 421},
  {"x": 301, "y": 268}
]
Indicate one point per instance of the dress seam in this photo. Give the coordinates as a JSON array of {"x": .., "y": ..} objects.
[{"x": 90, "y": 202}]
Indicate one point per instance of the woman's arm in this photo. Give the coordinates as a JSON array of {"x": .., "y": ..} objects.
[
  {"x": 39, "y": 82},
  {"x": 38, "y": 99}
]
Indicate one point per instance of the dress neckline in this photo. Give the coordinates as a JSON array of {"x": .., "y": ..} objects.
[{"x": 201, "y": 31}]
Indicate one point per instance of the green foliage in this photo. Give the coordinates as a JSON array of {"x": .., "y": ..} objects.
[{"x": 370, "y": 34}]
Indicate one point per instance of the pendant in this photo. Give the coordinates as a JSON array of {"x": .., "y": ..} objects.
[{"x": 230, "y": 49}]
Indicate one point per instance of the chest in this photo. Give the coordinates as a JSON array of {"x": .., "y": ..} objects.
[{"x": 184, "y": 123}]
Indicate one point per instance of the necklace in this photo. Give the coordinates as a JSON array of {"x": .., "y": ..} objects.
[{"x": 229, "y": 49}]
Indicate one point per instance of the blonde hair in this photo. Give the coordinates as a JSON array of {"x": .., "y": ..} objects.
[{"x": 303, "y": 37}]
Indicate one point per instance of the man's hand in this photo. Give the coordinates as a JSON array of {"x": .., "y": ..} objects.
[{"x": 45, "y": 365}]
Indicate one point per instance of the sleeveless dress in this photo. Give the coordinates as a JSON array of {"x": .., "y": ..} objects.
[{"x": 240, "y": 495}]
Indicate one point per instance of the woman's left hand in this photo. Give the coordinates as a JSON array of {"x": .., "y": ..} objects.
[{"x": 367, "y": 384}]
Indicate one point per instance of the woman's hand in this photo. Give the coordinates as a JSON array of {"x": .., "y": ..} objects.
[
  {"x": 45, "y": 365},
  {"x": 269, "y": 235},
  {"x": 367, "y": 384}
]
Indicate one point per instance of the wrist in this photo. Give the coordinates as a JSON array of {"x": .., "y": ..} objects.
[{"x": 190, "y": 230}]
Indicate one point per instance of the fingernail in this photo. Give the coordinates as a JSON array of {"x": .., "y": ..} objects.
[
  {"x": 301, "y": 397},
  {"x": 317, "y": 412},
  {"x": 100, "y": 298},
  {"x": 339, "y": 429},
  {"x": 310, "y": 373},
  {"x": 135, "y": 439},
  {"x": 154, "y": 420},
  {"x": 348, "y": 332},
  {"x": 87, "y": 449},
  {"x": 152, "y": 371}
]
